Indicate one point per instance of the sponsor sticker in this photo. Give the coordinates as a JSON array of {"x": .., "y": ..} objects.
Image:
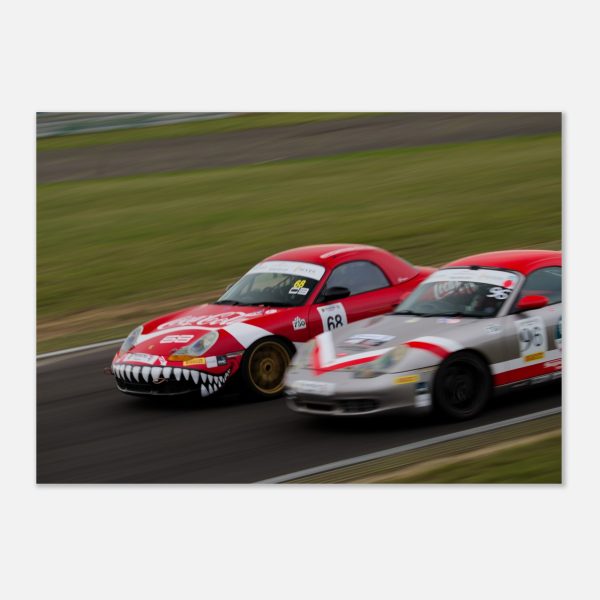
[
  {"x": 211, "y": 362},
  {"x": 493, "y": 329},
  {"x": 422, "y": 387},
  {"x": 298, "y": 323},
  {"x": 367, "y": 340},
  {"x": 532, "y": 338},
  {"x": 403, "y": 379},
  {"x": 558, "y": 333},
  {"x": 290, "y": 268},
  {"x": 422, "y": 400},
  {"x": 315, "y": 387},
  {"x": 194, "y": 361},
  {"x": 148, "y": 359},
  {"x": 555, "y": 364},
  {"x": 451, "y": 276},
  {"x": 445, "y": 288},
  {"x": 333, "y": 316},
  {"x": 299, "y": 288},
  {"x": 219, "y": 320},
  {"x": 176, "y": 339},
  {"x": 448, "y": 321},
  {"x": 221, "y": 360}
]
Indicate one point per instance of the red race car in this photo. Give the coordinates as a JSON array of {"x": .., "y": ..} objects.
[{"x": 257, "y": 324}]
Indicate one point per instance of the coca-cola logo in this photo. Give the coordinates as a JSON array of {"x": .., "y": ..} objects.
[
  {"x": 446, "y": 288},
  {"x": 209, "y": 320}
]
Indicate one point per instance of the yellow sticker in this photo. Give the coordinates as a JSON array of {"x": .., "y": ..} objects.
[
  {"x": 194, "y": 361},
  {"x": 300, "y": 283},
  {"x": 406, "y": 379},
  {"x": 534, "y": 356}
]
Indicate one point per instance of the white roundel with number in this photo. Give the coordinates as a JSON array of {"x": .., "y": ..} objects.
[
  {"x": 533, "y": 342},
  {"x": 333, "y": 316}
]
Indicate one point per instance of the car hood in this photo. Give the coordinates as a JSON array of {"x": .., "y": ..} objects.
[
  {"x": 170, "y": 332},
  {"x": 428, "y": 339}
]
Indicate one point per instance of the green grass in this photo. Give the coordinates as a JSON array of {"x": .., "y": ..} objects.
[
  {"x": 168, "y": 237},
  {"x": 157, "y": 132},
  {"x": 537, "y": 462}
]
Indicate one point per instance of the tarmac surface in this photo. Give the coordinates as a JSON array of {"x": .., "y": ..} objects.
[{"x": 89, "y": 432}]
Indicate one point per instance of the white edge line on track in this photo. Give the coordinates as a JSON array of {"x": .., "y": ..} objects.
[
  {"x": 79, "y": 349},
  {"x": 413, "y": 446}
]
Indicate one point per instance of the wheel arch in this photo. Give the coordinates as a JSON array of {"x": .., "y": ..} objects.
[
  {"x": 479, "y": 398},
  {"x": 251, "y": 384},
  {"x": 277, "y": 338},
  {"x": 473, "y": 352}
]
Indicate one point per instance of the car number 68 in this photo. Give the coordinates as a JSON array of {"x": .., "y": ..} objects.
[{"x": 333, "y": 316}]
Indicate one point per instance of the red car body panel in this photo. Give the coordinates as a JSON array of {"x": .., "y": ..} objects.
[
  {"x": 522, "y": 261},
  {"x": 239, "y": 327}
]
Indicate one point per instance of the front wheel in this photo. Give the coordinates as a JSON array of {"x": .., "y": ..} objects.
[
  {"x": 264, "y": 366},
  {"x": 462, "y": 386}
]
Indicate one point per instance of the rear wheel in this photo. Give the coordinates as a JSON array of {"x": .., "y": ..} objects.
[
  {"x": 264, "y": 366},
  {"x": 463, "y": 386}
]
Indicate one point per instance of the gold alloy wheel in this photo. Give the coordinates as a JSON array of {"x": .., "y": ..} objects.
[{"x": 266, "y": 367}]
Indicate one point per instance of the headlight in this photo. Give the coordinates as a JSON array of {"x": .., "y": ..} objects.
[
  {"x": 382, "y": 365},
  {"x": 198, "y": 348},
  {"x": 131, "y": 340}
]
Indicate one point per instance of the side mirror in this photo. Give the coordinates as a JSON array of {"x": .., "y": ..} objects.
[
  {"x": 334, "y": 293},
  {"x": 532, "y": 302}
]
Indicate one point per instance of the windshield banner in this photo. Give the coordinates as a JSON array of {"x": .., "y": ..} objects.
[
  {"x": 290, "y": 267},
  {"x": 503, "y": 279}
]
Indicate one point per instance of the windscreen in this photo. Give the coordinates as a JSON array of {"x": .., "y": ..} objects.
[
  {"x": 461, "y": 292},
  {"x": 275, "y": 283}
]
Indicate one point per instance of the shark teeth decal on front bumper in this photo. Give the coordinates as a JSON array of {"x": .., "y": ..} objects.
[
  {"x": 136, "y": 372},
  {"x": 152, "y": 378}
]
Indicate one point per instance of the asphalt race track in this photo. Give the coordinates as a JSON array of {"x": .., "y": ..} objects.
[{"x": 88, "y": 432}]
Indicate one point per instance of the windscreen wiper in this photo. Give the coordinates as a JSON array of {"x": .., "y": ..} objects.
[{"x": 232, "y": 302}]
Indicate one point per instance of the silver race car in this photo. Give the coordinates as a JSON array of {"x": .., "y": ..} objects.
[{"x": 488, "y": 321}]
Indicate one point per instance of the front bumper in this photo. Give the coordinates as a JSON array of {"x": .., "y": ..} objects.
[
  {"x": 167, "y": 381},
  {"x": 340, "y": 394}
]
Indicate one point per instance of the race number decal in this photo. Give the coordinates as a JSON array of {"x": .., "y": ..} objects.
[
  {"x": 333, "y": 316},
  {"x": 533, "y": 342},
  {"x": 558, "y": 334},
  {"x": 298, "y": 287},
  {"x": 498, "y": 293}
]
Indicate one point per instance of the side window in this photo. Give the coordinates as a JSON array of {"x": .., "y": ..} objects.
[
  {"x": 544, "y": 282},
  {"x": 358, "y": 276}
]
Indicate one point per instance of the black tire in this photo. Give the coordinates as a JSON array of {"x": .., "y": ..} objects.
[
  {"x": 263, "y": 367},
  {"x": 462, "y": 386}
]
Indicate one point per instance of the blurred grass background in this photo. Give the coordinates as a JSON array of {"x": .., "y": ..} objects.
[
  {"x": 114, "y": 252},
  {"x": 536, "y": 462}
]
